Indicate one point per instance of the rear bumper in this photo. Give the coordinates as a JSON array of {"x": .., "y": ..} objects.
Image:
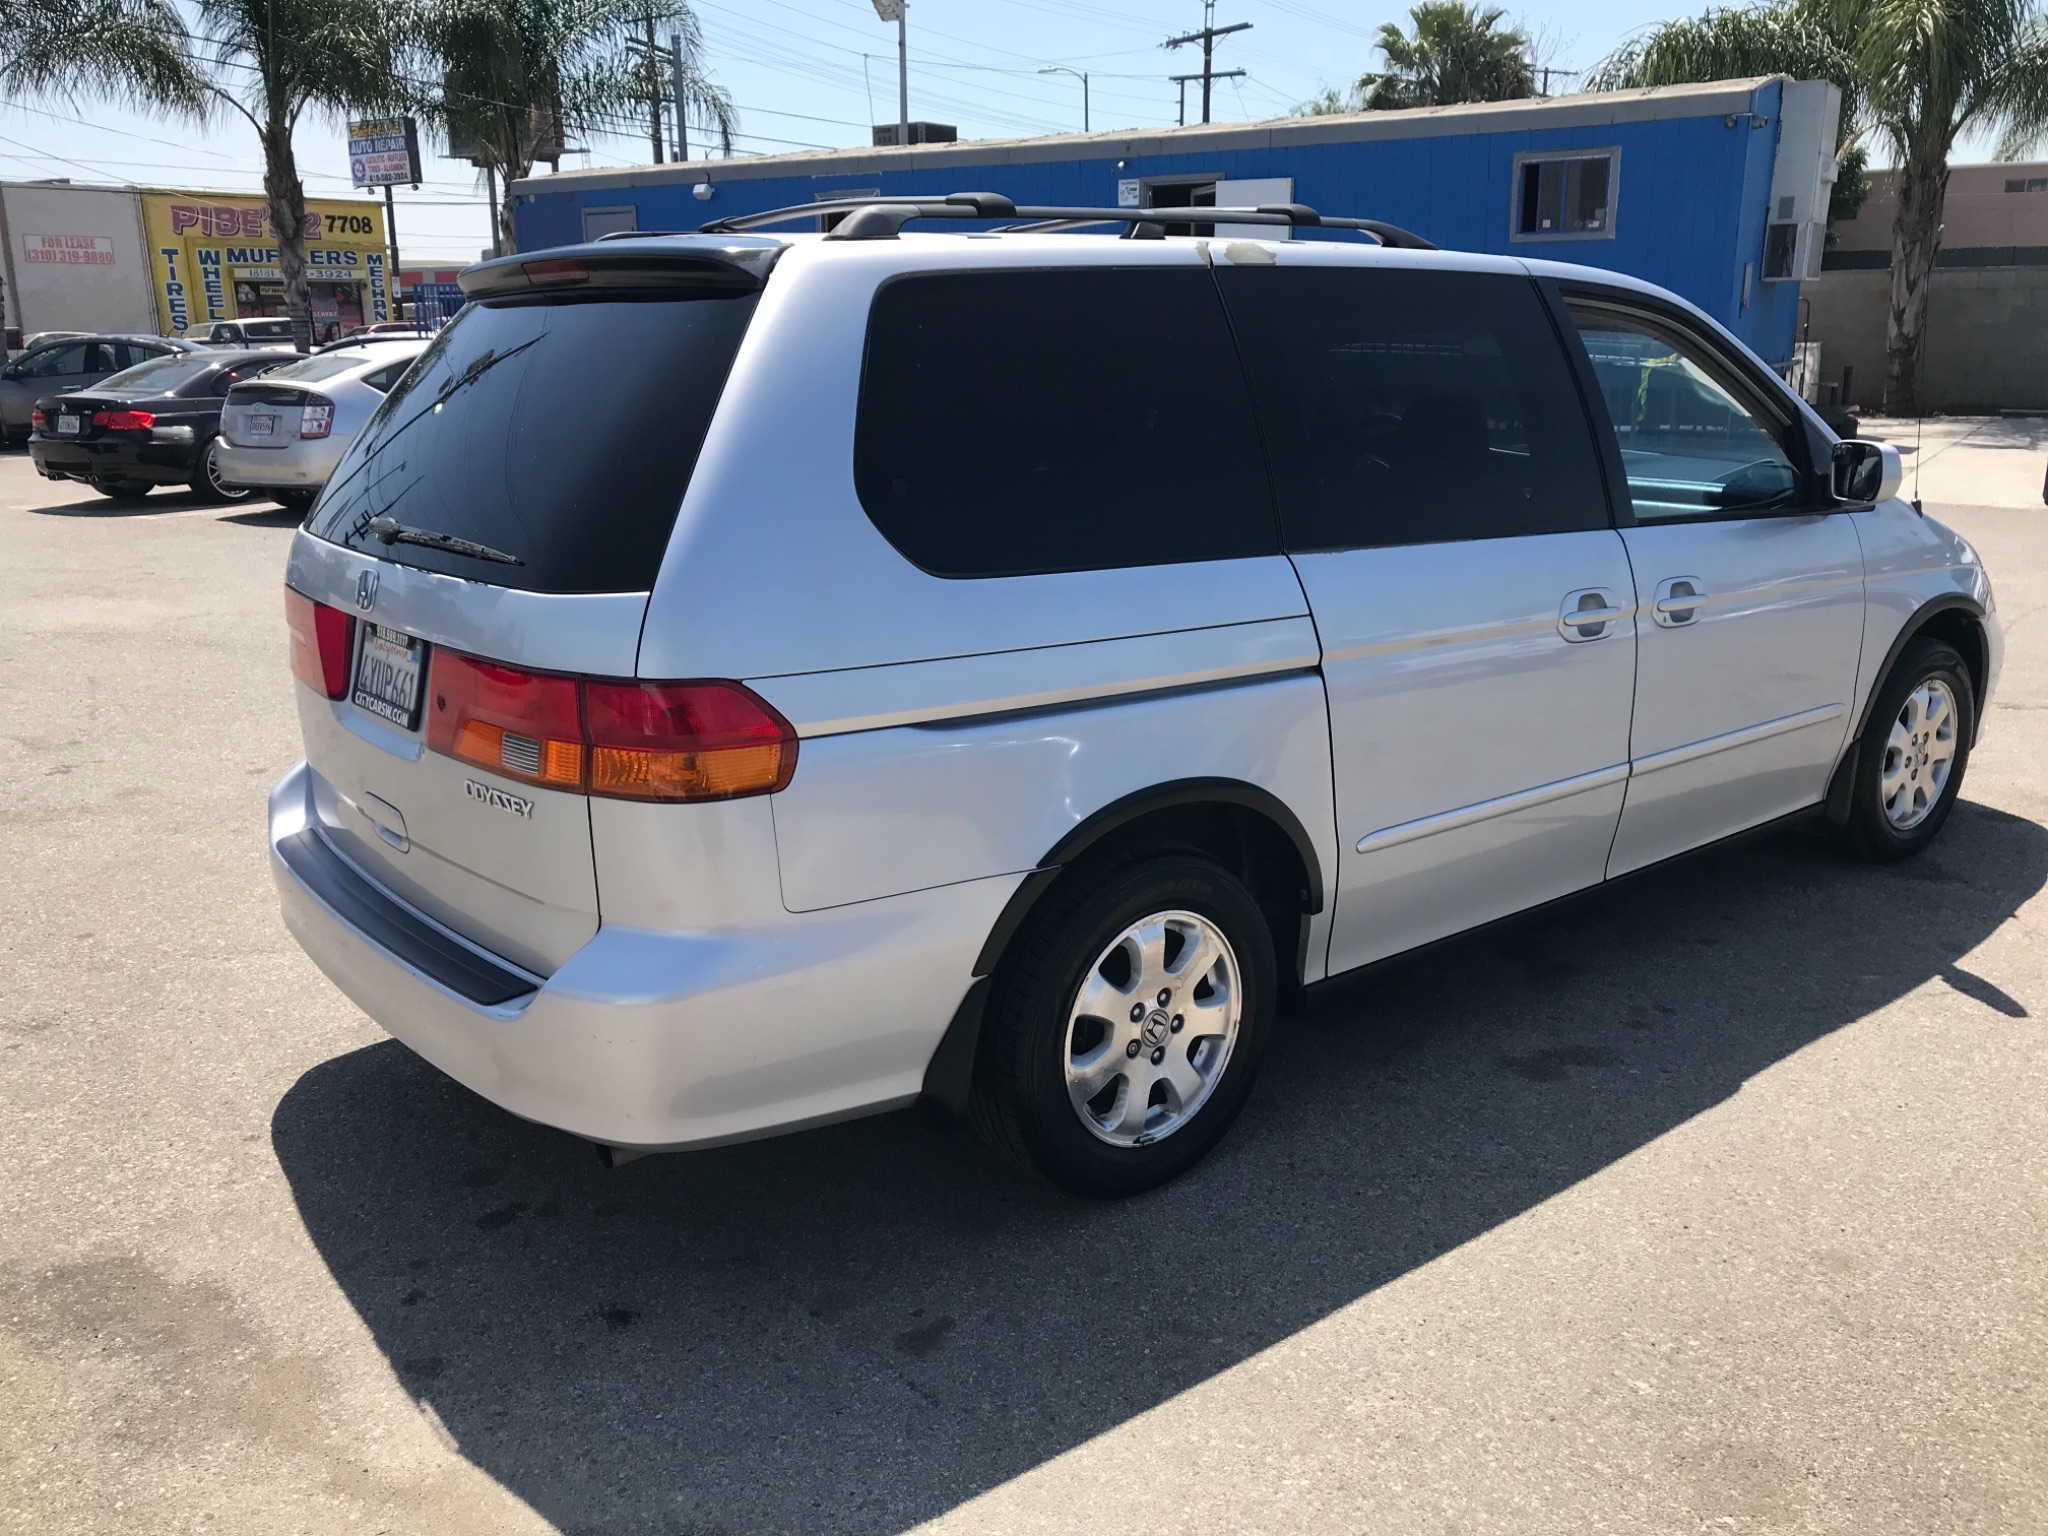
[
  {"x": 644, "y": 1039},
  {"x": 302, "y": 465},
  {"x": 130, "y": 457}
]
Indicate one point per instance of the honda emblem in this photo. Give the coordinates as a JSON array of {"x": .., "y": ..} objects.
[{"x": 366, "y": 591}]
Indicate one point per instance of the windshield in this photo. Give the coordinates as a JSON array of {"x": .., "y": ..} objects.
[
  {"x": 160, "y": 375},
  {"x": 267, "y": 330},
  {"x": 562, "y": 433}
]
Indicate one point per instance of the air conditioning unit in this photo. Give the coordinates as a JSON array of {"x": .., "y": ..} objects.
[{"x": 1802, "y": 181}]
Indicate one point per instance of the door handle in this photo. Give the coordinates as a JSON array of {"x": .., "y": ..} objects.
[
  {"x": 1588, "y": 613},
  {"x": 1678, "y": 601}
]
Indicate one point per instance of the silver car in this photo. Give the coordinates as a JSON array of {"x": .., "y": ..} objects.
[
  {"x": 285, "y": 432},
  {"x": 69, "y": 362}
]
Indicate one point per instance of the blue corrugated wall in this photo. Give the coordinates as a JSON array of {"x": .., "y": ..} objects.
[{"x": 1690, "y": 204}]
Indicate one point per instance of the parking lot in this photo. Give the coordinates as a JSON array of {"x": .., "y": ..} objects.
[{"x": 1717, "y": 1201}]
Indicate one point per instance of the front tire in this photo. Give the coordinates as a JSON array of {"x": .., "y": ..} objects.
[
  {"x": 1126, "y": 1024},
  {"x": 1913, "y": 752}
]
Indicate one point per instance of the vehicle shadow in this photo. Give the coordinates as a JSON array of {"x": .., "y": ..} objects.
[
  {"x": 168, "y": 499},
  {"x": 858, "y": 1328}
]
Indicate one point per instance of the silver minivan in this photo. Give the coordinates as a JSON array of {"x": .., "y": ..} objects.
[{"x": 750, "y": 680}]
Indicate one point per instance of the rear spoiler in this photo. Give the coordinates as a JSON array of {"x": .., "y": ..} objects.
[{"x": 663, "y": 263}]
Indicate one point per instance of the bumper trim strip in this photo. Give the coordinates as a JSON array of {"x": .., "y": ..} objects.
[{"x": 382, "y": 921}]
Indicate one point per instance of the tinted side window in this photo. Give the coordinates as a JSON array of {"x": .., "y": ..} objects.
[
  {"x": 1013, "y": 423},
  {"x": 55, "y": 362},
  {"x": 1692, "y": 443},
  {"x": 1405, "y": 407}
]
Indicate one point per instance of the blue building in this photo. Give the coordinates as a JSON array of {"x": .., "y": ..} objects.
[{"x": 1718, "y": 192}]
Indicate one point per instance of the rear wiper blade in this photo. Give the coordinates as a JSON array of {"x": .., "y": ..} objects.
[{"x": 389, "y": 530}]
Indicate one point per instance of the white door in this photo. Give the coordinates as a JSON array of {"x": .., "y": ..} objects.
[
  {"x": 1441, "y": 499},
  {"x": 1261, "y": 192},
  {"x": 1751, "y": 591}
]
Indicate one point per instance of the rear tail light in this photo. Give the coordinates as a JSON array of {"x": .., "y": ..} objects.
[
  {"x": 38, "y": 420},
  {"x": 124, "y": 421},
  {"x": 322, "y": 640},
  {"x": 316, "y": 418},
  {"x": 622, "y": 740}
]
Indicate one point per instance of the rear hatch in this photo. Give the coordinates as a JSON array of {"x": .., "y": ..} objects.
[
  {"x": 263, "y": 415},
  {"x": 485, "y": 550}
]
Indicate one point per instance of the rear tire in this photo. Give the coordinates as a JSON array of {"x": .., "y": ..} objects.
[
  {"x": 207, "y": 483},
  {"x": 122, "y": 490},
  {"x": 1912, "y": 754},
  {"x": 298, "y": 503},
  {"x": 1174, "y": 938}
]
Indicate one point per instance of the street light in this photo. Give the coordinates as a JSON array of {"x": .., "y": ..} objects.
[
  {"x": 1080, "y": 75},
  {"x": 893, "y": 10}
]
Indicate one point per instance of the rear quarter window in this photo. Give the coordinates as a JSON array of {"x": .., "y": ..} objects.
[
  {"x": 562, "y": 433},
  {"x": 1024, "y": 422}
]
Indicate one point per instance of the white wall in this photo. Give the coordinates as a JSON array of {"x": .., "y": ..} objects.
[{"x": 110, "y": 292}]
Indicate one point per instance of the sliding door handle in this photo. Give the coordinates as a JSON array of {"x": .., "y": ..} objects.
[{"x": 1677, "y": 602}]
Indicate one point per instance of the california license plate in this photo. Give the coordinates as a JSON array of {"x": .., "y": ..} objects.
[
  {"x": 390, "y": 667},
  {"x": 262, "y": 426},
  {"x": 67, "y": 426}
]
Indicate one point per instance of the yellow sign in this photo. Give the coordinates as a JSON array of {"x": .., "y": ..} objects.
[{"x": 213, "y": 257}]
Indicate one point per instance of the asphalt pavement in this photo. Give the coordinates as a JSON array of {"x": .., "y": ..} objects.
[{"x": 1715, "y": 1202}]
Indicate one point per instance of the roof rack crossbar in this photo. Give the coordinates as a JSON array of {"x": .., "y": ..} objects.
[{"x": 883, "y": 218}]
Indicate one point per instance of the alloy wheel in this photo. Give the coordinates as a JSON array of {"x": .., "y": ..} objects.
[
  {"x": 1919, "y": 755},
  {"x": 1152, "y": 1027}
]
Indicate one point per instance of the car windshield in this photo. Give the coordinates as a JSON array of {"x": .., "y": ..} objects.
[
  {"x": 325, "y": 366},
  {"x": 267, "y": 330},
  {"x": 161, "y": 374}
]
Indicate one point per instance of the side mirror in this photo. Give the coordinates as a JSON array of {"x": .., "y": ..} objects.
[{"x": 1866, "y": 473}]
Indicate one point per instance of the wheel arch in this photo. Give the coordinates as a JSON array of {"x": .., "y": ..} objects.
[{"x": 1954, "y": 618}]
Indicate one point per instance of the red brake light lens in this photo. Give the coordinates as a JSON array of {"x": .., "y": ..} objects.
[
  {"x": 526, "y": 725},
  {"x": 685, "y": 741},
  {"x": 316, "y": 418},
  {"x": 623, "y": 740},
  {"x": 38, "y": 420},
  {"x": 124, "y": 421},
  {"x": 560, "y": 269},
  {"x": 323, "y": 640}
]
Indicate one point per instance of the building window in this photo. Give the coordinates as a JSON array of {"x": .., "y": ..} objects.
[
  {"x": 2026, "y": 184},
  {"x": 1566, "y": 196}
]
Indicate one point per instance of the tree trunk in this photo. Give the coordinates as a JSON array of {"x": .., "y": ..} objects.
[
  {"x": 1916, "y": 237},
  {"x": 287, "y": 196}
]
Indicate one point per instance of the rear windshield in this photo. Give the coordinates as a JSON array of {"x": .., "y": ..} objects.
[
  {"x": 161, "y": 374},
  {"x": 307, "y": 369},
  {"x": 559, "y": 434},
  {"x": 267, "y": 330}
]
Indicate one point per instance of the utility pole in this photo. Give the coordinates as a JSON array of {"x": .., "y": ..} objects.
[
  {"x": 675, "y": 75},
  {"x": 1207, "y": 38},
  {"x": 897, "y": 11},
  {"x": 1546, "y": 71},
  {"x": 647, "y": 59}
]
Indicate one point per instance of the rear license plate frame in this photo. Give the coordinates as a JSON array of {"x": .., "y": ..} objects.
[
  {"x": 69, "y": 424},
  {"x": 262, "y": 423},
  {"x": 393, "y": 654}
]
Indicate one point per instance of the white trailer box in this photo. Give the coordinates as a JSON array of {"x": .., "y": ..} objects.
[{"x": 76, "y": 259}]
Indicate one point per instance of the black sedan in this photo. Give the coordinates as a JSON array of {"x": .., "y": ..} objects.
[{"x": 150, "y": 425}]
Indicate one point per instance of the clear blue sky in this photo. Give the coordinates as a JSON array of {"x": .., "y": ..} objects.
[{"x": 808, "y": 73}]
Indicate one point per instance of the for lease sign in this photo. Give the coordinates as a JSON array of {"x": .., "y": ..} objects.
[{"x": 68, "y": 250}]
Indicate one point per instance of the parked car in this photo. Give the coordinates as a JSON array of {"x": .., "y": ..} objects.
[
  {"x": 283, "y": 434},
  {"x": 49, "y": 367},
  {"x": 40, "y": 338},
  {"x": 243, "y": 334},
  {"x": 1009, "y": 668},
  {"x": 154, "y": 424},
  {"x": 380, "y": 328}
]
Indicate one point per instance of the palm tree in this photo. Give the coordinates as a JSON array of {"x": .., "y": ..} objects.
[
  {"x": 125, "y": 49},
  {"x": 1458, "y": 53},
  {"x": 269, "y": 62},
  {"x": 1916, "y": 74},
  {"x": 519, "y": 75}
]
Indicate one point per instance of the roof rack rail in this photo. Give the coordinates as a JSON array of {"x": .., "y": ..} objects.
[{"x": 883, "y": 218}]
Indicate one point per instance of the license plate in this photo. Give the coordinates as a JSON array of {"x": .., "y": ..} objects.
[
  {"x": 67, "y": 426},
  {"x": 390, "y": 667},
  {"x": 262, "y": 426}
]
